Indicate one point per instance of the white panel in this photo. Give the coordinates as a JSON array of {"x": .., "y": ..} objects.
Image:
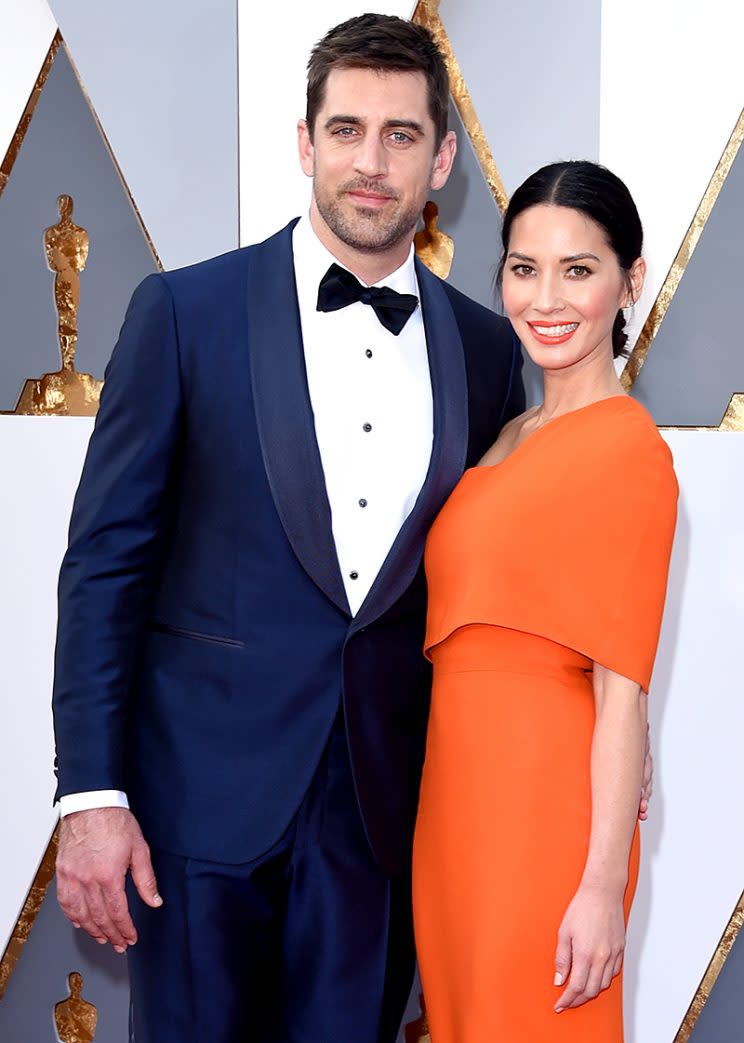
[
  {"x": 26, "y": 32},
  {"x": 693, "y": 843},
  {"x": 672, "y": 88},
  {"x": 274, "y": 42},
  {"x": 40, "y": 463}
]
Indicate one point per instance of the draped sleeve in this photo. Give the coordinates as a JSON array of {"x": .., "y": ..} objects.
[{"x": 569, "y": 538}]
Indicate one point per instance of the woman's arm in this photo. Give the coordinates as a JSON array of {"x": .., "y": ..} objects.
[{"x": 591, "y": 939}]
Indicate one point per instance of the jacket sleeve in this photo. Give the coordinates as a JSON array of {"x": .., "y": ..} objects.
[
  {"x": 119, "y": 521},
  {"x": 514, "y": 402}
]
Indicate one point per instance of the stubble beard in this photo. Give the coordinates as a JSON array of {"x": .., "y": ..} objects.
[{"x": 366, "y": 230}]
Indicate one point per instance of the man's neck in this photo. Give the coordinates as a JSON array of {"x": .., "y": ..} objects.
[{"x": 370, "y": 267}]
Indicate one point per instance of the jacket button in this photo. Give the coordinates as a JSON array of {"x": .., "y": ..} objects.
[{"x": 354, "y": 575}]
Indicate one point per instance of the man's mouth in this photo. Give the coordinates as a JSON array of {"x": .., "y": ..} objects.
[{"x": 358, "y": 195}]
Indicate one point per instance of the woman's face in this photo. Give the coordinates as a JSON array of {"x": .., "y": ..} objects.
[{"x": 562, "y": 286}]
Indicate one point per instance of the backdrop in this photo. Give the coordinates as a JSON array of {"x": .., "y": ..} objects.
[{"x": 173, "y": 129}]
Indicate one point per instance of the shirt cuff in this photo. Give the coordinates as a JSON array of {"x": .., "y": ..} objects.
[{"x": 95, "y": 798}]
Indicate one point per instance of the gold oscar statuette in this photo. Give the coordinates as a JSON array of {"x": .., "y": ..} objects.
[
  {"x": 418, "y": 1031},
  {"x": 433, "y": 246},
  {"x": 66, "y": 391},
  {"x": 75, "y": 1018}
]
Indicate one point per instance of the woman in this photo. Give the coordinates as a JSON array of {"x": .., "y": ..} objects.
[{"x": 547, "y": 572}]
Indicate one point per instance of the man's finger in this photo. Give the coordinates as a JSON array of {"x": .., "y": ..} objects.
[
  {"x": 143, "y": 876},
  {"x": 115, "y": 899},
  {"x": 101, "y": 918}
]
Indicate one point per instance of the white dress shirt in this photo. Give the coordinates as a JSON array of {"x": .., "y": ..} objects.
[{"x": 371, "y": 398}]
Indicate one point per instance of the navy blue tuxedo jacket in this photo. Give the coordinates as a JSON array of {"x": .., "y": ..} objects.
[{"x": 205, "y": 641}]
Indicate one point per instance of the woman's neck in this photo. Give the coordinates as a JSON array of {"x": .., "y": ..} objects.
[{"x": 567, "y": 389}]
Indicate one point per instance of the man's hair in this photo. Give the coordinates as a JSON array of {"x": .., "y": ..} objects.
[{"x": 387, "y": 44}]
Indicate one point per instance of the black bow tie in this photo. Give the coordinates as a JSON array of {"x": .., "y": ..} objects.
[{"x": 338, "y": 287}]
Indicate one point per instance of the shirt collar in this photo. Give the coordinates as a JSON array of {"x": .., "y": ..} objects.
[{"x": 312, "y": 260}]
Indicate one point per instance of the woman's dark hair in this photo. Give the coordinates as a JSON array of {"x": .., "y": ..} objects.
[
  {"x": 601, "y": 195},
  {"x": 384, "y": 43}
]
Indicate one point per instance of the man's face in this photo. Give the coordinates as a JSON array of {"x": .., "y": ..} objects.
[{"x": 373, "y": 158}]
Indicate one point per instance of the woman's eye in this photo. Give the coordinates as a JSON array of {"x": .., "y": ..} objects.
[
  {"x": 522, "y": 269},
  {"x": 579, "y": 271}
]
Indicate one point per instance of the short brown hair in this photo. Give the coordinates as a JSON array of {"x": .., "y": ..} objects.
[{"x": 386, "y": 43}]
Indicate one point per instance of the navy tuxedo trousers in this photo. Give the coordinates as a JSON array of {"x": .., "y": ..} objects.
[{"x": 309, "y": 943}]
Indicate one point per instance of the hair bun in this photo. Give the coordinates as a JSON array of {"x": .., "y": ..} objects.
[{"x": 619, "y": 336}]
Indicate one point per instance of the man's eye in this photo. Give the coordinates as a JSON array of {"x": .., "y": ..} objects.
[
  {"x": 400, "y": 137},
  {"x": 344, "y": 132}
]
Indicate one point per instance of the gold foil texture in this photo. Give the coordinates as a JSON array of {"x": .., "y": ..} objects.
[
  {"x": 64, "y": 392},
  {"x": 31, "y": 906},
  {"x": 427, "y": 14},
  {"x": 711, "y": 975},
  {"x": 17, "y": 140},
  {"x": 433, "y": 246},
  {"x": 656, "y": 316},
  {"x": 74, "y": 1018}
]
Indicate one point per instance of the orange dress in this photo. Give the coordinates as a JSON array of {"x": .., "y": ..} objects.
[{"x": 537, "y": 567}]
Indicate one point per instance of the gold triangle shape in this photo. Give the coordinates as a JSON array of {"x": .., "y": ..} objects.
[
  {"x": 710, "y": 977},
  {"x": 427, "y": 14},
  {"x": 679, "y": 264},
  {"x": 20, "y": 133},
  {"x": 34, "y": 898}
]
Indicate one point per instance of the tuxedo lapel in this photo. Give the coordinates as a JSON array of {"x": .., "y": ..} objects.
[
  {"x": 449, "y": 449},
  {"x": 284, "y": 414}
]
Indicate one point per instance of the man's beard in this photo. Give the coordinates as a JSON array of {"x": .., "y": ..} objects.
[{"x": 367, "y": 230}]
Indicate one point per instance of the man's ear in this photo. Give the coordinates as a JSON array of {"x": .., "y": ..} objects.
[
  {"x": 305, "y": 147},
  {"x": 443, "y": 160}
]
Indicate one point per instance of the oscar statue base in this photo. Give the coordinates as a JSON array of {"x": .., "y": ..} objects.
[{"x": 64, "y": 393}]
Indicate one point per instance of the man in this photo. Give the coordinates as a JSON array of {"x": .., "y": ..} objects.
[{"x": 239, "y": 676}]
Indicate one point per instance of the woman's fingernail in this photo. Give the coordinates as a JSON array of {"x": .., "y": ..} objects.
[
  {"x": 558, "y": 1009},
  {"x": 558, "y": 980}
]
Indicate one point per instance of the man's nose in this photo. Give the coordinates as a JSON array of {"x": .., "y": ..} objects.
[{"x": 370, "y": 158}]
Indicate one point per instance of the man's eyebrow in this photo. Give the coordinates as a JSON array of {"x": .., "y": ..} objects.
[
  {"x": 357, "y": 121},
  {"x": 413, "y": 125}
]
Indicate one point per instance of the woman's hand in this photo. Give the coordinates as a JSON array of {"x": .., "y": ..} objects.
[{"x": 591, "y": 942}]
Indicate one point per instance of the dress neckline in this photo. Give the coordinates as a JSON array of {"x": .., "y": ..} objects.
[{"x": 549, "y": 424}]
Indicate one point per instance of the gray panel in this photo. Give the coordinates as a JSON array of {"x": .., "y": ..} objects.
[
  {"x": 533, "y": 70},
  {"x": 63, "y": 152},
  {"x": 163, "y": 78},
  {"x": 696, "y": 361},
  {"x": 468, "y": 213},
  {"x": 722, "y": 1019},
  {"x": 54, "y": 949}
]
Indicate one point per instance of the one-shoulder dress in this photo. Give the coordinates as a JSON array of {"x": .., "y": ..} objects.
[{"x": 537, "y": 567}]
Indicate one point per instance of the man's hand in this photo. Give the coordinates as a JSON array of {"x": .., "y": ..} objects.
[
  {"x": 647, "y": 786},
  {"x": 96, "y": 849}
]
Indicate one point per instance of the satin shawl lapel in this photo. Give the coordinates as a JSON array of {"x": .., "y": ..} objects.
[
  {"x": 284, "y": 414},
  {"x": 449, "y": 449}
]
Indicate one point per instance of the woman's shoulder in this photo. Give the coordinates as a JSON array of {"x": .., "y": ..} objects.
[{"x": 622, "y": 441}]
